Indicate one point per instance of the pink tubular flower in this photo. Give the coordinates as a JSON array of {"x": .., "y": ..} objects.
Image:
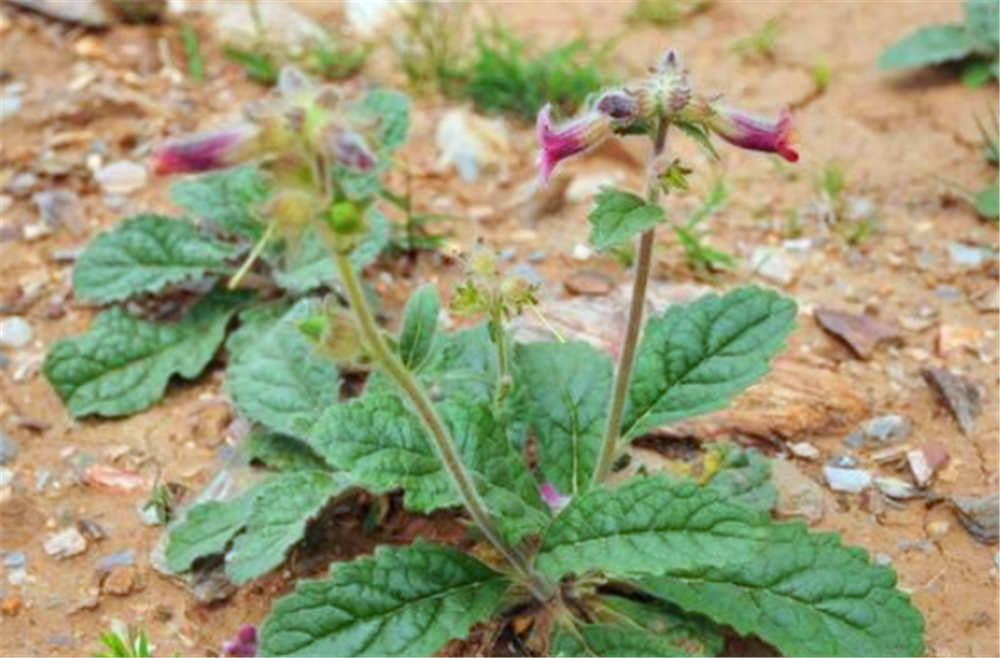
[
  {"x": 557, "y": 143},
  {"x": 754, "y": 133},
  {"x": 204, "y": 151},
  {"x": 244, "y": 645}
]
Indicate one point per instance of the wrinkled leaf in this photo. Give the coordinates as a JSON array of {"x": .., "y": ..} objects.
[
  {"x": 280, "y": 452},
  {"x": 806, "y": 594},
  {"x": 936, "y": 44},
  {"x": 400, "y": 602},
  {"x": 145, "y": 254},
  {"x": 420, "y": 320},
  {"x": 257, "y": 528},
  {"x": 466, "y": 364},
  {"x": 123, "y": 364},
  {"x": 696, "y": 357},
  {"x": 227, "y": 199},
  {"x": 987, "y": 201},
  {"x": 567, "y": 387},
  {"x": 618, "y": 216},
  {"x": 282, "y": 380},
  {"x": 982, "y": 20},
  {"x": 391, "y": 109}
]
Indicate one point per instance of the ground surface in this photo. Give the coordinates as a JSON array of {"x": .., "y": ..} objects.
[{"x": 898, "y": 138}]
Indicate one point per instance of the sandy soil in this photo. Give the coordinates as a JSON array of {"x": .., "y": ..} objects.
[{"x": 897, "y": 138}]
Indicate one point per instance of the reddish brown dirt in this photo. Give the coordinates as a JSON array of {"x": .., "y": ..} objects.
[{"x": 897, "y": 137}]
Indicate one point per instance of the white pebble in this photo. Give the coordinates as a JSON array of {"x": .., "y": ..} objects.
[{"x": 15, "y": 332}]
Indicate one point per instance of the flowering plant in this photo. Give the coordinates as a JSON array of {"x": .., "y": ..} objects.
[{"x": 599, "y": 563}]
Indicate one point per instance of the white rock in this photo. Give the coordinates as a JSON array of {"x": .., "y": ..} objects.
[
  {"x": 366, "y": 16},
  {"x": 774, "y": 265},
  {"x": 6, "y": 477},
  {"x": 805, "y": 450},
  {"x": 472, "y": 144},
  {"x": 66, "y": 543},
  {"x": 284, "y": 26},
  {"x": 10, "y": 105},
  {"x": 122, "y": 177},
  {"x": 15, "y": 332},
  {"x": 963, "y": 255},
  {"x": 581, "y": 252},
  {"x": 849, "y": 480}
]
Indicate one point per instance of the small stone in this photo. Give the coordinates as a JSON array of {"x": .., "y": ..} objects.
[
  {"x": 472, "y": 144},
  {"x": 57, "y": 207},
  {"x": 588, "y": 283},
  {"x": 10, "y": 105},
  {"x": 86, "y": 12},
  {"x": 859, "y": 331},
  {"x": 6, "y": 476},
  {"x": 980, "y": 515},
  {"x": 959, "y": 394},
  {"x": 120, "y": 581},
  {"x": 805, "y": 450},
  {"x": 11, "y": 605},
  {"x": 966, "y": 256},
  {"x": 15, "y": 560},
  {"x": 481, "y": 213},
  {"x": 948, "y": 293},
  {"x": 885, "y": 430},
  {"x": 848, "y": 480},
  {"x": 65, "y": 544},
  {"x": 22, "y": 184},
  {"x": 798, "y": 495},
  {"x": 952, "y": 338},
  {"x": 938, "y": 529},
  {"x": 581, "y": 252},
  {"x": 774, "y": 265},
  {"x": 15, "y": 332},
  {"x": 8, "y": 449},
  {"x": 121, "y": 177},
  {"x": 6, "y": 201},
  {"x": 924, "y": 464},
  {"x": 112, "y": 560},
  {"x": 110, "y": 478},
  {"x": 92, "y": 530},
  {"x": 896, "y": 488},
  {"x": 883, "y": 559}
]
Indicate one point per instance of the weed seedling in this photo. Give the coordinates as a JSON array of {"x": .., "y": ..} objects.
[
  {"x": 600, "y": 562},
  {"x": 124, "y": 642},
  {"x": 666, "y": 13},
  {"x": 763, "y": 43}
]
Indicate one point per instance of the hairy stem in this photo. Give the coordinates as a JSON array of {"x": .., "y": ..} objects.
[
  {"x": 623, "y": 375},
  {"x": 500, "y": 340},
  {"x": 542, "y": 589}
]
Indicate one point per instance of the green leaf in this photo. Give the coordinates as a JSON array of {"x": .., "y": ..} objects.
[
  {"x": 976, "y": 73},
  {"x": 123, "y": 364},
  {"x": 695, "y": 357},
  {"x": 144, "y": 254},
  {"x": 566, "y": 392},
  {"x": 936, "y": 44},
  {"x": 385, "y": 447},
  {"x": 804, "y": 593},
  {"x": 258, "y": 527},
  {"x": 743, "y": 476},
  {"x": 987, "y": 202},
  {"x": 420, "y": 320},
  {"x": 282, "y": 380},
  {"x": 807, "y": 595},
  {"x": 618, "y": 216},
  {"x": 467, "y": 364},
  {"x": 281, "y": 512},
  {"x": 400, "y": 602},
  {"x": 207, "y": 529},
  {"x": 392, "y": 111},
  {"x": 309, "y": 264},
  {"x": 280, "y": 452},
  {"x": 254, "y": 322},
  {"x": 982, "y": 20},
  {"x": 626, "y": 627},
  {"x": 226, "y": 199}
]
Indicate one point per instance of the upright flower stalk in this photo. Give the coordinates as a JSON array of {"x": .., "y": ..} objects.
[{"x": 649, "y": 107}]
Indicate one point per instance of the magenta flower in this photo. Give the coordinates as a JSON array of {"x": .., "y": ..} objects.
[
  {"x": 556, "y": 143},
  {"x": 244, "y": 645},
  {"x": 552, "y": 497},
  {"x": 754, "y": 133},
  {"x": 350, "y": 149},
  {"x": 205, "y": 151}
]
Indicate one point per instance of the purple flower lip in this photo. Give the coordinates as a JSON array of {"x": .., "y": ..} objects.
[
  {"x": 556, "y": 143},
  {"x": 203, "y": 151},
  {"x": 350, "y": 149},
  {"x": 755, "y": 133},
  {"x": 244, "y": 645}
]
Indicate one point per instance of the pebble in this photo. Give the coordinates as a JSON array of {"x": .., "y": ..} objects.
[
  {"x": 65, "y": 544},
  {"x": 773, "y": 265},
  {"x": 15, "y": 332},
  {"x": 925, "y": 462},
  {"x": 967, "y": 256},
  {"x": 588, "y": 283},
  {"x": 883, "y": 559},
  {"x": 113, "y": 560},
  {"x": 11, "y": 605},
  {"x": 880, "y": 431},
  {"x": 805, "y": 450},
  {"x": 57, "y": 207},
  {"x": 120, "y": 581},
  {"x": 980, "y": 515},
  {"x": 6, "y": 476},
  {"x": 581, "y": 252},
  {"x": 960, "y": 394},
  {"x": 848, "y": 480},
  {"x": 10, "y": 105},
  {"x": 15, "y": 560},
  {"x": 798, "y": 495},
  {"x": 948, "y": 293},
  {"x": 896, "y": 488},
  {"x": 860, "y": 331},
  {"x": 955, "y": 338},
  {"x": 122, "y": 177},
  {"x": 22, "y": 184},
  {"x": 472, "y": 144},
  {"x": 8, "y": 449},
  {"x": 6, "y": 201}
]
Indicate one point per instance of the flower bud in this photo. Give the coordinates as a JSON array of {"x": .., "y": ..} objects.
[
  {"x": 206, "y": 151},
  {"x": 349, "y": 148},
  {"x": 244, "y": 644},
  {"x": 345, "y": 218},
  {"x": 752, "y": 132}
]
